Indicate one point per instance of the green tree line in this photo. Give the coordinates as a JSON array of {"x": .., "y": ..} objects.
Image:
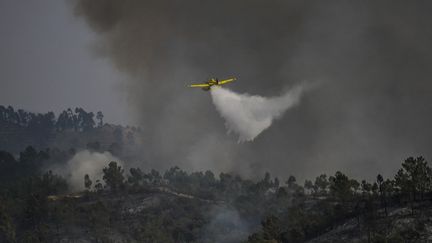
[{"x": 77, "y": 119}]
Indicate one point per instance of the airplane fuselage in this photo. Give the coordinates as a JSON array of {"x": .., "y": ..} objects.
[{"x": 212, "y": 82}]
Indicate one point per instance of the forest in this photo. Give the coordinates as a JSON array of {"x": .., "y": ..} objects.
[
  {"x": 132, "y": 204},
  {"x": 77, "y": 119},
  {"x": 36, "y": 205},
  {"x": 20, "y": 128},
  {"x": 71, "y": 129}
]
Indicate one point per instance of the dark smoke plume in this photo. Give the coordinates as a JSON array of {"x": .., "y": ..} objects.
[{"x": 372, "y": 58}]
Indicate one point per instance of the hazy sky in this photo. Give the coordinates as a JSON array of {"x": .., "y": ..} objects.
[{"x": 46, "y": 62}]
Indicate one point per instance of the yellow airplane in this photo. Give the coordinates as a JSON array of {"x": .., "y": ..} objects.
[{"x": 212, "y": 82}]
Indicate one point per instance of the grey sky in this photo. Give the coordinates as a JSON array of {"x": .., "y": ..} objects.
[{"x": 46, "y": 62}]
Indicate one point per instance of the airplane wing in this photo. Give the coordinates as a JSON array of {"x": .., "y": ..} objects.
[
  {"x": 199, "y": 85},
  {"x": 227, "y": 81}
]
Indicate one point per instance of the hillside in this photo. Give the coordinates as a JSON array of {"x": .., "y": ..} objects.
[
  {"x": 75, "y": 192},
  {"x": 181, "y": 206},
  {"x": 400, "y": 225}
]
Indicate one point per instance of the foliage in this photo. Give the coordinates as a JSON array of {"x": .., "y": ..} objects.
[
  {"x": 78, "y": 119},
  {"x": 7, "y": 228},
  {"x": 87, "y": 182},
  {"x": 177, "y": 205},
  {"x": 414, "y": 177},
  {"x": 113, "y": 176}
]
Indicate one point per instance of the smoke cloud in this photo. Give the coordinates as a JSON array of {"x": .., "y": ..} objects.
[
  {"x": 249, "y": 115},
  {"x": 85, "y": 162},
  {"x": 374, "y": 58},
  {"x": 226, "y": 225}
]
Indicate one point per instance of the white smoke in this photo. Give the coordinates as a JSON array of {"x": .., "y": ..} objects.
[
  {"x": 249, "y": 115},
  {"x": 226, "y": 225},
  {"x": 85, "y": 162}
]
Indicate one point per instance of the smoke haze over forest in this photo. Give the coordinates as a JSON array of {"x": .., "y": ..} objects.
[{"x": 372, "y": 58}]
